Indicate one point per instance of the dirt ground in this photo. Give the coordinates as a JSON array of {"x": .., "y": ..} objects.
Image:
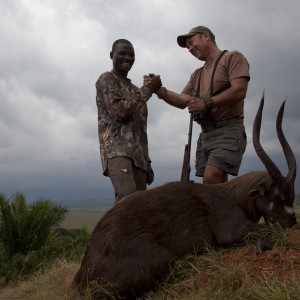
[{"x": 279, "y": 262}]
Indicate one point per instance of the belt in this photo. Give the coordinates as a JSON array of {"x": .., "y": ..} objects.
[{"x": 210, "y": 124}]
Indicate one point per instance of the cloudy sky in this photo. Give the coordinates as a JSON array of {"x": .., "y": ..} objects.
[{"x": 53, "y": 51}]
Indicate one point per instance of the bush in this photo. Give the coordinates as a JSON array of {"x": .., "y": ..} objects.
[
  {"x": 70, "y": 243},
  {"x": 30, "y": 237},
  {"x": 27, "y": 227}
]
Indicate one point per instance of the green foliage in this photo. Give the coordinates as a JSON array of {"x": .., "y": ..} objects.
[
  {"x": 65, "y": 244},
  {"x": 30, "y": 238},
  {"x": 70, "y": 243},
  {"x": 27, "y": 227}
]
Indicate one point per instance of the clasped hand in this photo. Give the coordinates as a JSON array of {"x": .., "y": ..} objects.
[{"x": 153, "y": 82}]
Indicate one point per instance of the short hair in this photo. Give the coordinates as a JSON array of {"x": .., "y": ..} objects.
[{"x": 119, "y": 41}]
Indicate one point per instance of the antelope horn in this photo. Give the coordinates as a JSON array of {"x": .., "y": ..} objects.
[
  {"x": 269, "y": 164},
  {"x": 289, "y": 155}
]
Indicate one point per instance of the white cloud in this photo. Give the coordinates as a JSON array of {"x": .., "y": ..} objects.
[{"x": 52, "y": 53}]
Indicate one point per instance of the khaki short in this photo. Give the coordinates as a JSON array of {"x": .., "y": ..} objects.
[{"x": 222, "y": 148}]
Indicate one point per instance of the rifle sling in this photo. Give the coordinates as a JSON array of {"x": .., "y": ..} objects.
[{"x": 212, "y": 78}]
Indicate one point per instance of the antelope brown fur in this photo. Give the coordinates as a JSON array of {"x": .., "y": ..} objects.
[{"x": 133, "y": 245}]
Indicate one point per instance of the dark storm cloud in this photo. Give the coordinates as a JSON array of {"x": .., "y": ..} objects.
[{"x": 52, "y": 53}]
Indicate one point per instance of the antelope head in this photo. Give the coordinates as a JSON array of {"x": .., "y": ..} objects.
[{"x": 279, "y": 192}]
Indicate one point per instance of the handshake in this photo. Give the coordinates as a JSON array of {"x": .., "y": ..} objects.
[{"x": 153, "y": 82}]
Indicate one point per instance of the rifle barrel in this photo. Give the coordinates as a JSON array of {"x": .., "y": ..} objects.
[{"x": 188, "y": 166}]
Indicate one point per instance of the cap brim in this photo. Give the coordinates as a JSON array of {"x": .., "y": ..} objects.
[{"x": 181, "y": 39}]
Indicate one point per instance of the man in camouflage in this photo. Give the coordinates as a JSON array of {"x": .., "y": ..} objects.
[{"x": 122, "y": 123}]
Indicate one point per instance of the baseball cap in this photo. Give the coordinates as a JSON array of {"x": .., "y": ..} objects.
[{"x": 199, "y": 29}]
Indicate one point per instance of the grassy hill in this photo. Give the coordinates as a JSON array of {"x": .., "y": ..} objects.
[{"x": 217, "y": 275}]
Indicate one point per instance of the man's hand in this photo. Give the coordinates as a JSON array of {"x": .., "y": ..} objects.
[
  {"x": 196, "y": 105},
  {"x": 147, "y": 78},
  {"x": 155, "y": 83}
]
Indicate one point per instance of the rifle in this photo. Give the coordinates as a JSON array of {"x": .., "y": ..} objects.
[{"x": 186, "y": 168}]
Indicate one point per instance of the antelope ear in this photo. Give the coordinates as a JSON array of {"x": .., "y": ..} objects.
[{"x": 256, "y": 192}]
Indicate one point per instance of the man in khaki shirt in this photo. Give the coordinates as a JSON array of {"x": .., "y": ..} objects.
[{"x": 215, "y": 95}]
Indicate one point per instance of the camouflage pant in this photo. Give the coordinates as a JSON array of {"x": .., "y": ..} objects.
[{"x": 126, "y": 178}]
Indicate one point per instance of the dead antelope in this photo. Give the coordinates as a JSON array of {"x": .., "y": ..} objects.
[{"x": 133, "y": 245}]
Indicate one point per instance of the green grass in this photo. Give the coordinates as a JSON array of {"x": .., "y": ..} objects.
[
  {"x": 223, "y": 283},
  {"x": 192, "y": 278},
  {"x": 77, "y": 219}
]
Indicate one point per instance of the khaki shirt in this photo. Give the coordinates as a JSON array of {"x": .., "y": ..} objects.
[
  {"x": 122, "y": 120},
  {"x": 231, "y": 66}
]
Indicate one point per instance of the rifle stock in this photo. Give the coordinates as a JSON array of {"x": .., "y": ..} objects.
[{"x": 186, "y": 169}]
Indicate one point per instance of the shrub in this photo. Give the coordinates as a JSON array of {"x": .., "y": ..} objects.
[{"x": 27, "y": 232}]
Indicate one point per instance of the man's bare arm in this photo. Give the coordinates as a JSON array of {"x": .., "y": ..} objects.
[
  {"x": 170, "y": 97},
  {"x": 234, "y": 94}
]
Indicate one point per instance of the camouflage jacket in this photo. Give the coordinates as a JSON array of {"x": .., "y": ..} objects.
[{"x": 122, "y": 120}]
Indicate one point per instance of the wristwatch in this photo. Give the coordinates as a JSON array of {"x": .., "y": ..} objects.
[{"x": 208, "y": 103}]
